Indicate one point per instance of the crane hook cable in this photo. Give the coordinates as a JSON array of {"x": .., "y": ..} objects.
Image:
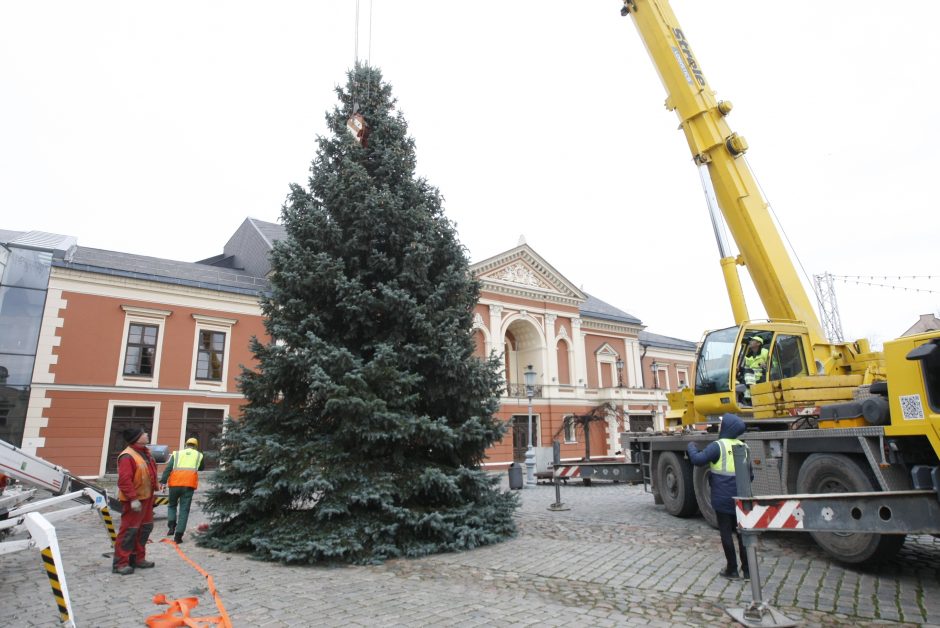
[{"x": 170, "y": 619}]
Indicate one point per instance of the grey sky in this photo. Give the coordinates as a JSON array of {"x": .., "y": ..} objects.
[{"x": 156, "y": 129}]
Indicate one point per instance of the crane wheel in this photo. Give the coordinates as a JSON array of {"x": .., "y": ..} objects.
[
  {"x": 703, "y": 495},
  {"x": 674, "y": 481},
  {"x": 838, "y": 473}
]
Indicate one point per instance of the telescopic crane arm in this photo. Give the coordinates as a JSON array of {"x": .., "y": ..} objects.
[{"x": 718, "y": 150}]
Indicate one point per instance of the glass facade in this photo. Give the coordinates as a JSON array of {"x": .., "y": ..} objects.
[{"x": 24, "y": 278}]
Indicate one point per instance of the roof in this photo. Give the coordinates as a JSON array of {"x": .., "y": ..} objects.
[
  {"x": 163, "y": 271},
  {"x": 595, "y": 308},
  {"x": 665, "y": 342},
  {"x": 271, "y": 231}
]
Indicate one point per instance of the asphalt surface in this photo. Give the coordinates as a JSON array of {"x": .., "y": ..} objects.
[{"x": 613, "y": 559}]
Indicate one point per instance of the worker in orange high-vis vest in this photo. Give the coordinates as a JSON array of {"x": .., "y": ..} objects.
[
  {"x": 182, "y": 476},
  {"x": 137, "y": 481}
]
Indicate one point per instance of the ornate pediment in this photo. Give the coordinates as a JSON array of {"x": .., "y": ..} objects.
[{"x": 523, "y": 272}]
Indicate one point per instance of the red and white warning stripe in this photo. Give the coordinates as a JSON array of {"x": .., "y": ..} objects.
[
  {"x": 786, "y": 514},
  {"x": 568, "y": 471}
]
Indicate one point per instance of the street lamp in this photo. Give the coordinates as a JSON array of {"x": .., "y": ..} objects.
[
  {"x": 619, "y": 364},
  {"x": 530, "y": 452}
]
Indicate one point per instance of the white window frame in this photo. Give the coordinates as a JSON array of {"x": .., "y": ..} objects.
[
  {"x": 142, "y": 316},
  {"x": 574, "y": 430},
  {"x": 606, "y": 354},
  {"x": 154, "y": 430},
  {"x": 683, "y": 375},
  {"x": 212, "y": 323}
]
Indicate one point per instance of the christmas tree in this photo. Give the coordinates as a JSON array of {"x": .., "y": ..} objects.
[{"x": 368, "y": 415}]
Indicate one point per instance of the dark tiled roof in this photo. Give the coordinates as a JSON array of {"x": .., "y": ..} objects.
[
  {"x": 595, "y": 308},
  {"x": 665, "y": 342},
  {"x": 163, "y": 271},
  {"x": 271, "y": 231}
]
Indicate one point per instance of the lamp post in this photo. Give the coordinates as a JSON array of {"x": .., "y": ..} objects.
[
  {"x": 619, "y": 364},
  {"x": 530, "y": 452}
]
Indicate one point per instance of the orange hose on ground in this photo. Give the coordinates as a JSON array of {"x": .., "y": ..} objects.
[{"x": 177, "y": 611}]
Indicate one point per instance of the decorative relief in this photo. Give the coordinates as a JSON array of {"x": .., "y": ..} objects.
[
  {"x": 521, "y": 274},
  {"x": 496, "y": 310},
  {"x": 477, "y": 319}
]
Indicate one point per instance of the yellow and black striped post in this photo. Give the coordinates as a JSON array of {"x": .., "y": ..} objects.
[
  {"x": 53, "y": 573},
  {"x": 105, "y": 513},
  {"x": 161, "y": 500},
  {"x": 43, "y": 533}
]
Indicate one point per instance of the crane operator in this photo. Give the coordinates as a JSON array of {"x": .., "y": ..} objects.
[{"x": 755, "y": 364}]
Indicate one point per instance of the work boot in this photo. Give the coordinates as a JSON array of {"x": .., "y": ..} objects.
[
  {"x": 729, "y": 573},
  {"x": 746, "y": 574},
  {"x": 143, "y": 564},
  {"x": 126, "y": 570},
  {"x": 171, "y": 531},
  {"x": 178, "y": 538}
]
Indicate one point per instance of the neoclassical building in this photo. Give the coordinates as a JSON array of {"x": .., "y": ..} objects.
[
  {"x": 92, "y": 341},
  {"x": 585, "y": 353}
]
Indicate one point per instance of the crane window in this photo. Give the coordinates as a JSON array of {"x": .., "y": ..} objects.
[
  {"x": 787, "y": 359},
  {"x": 713, "y": 366}
]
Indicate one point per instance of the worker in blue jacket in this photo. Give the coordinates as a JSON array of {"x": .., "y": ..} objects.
[{"x": 720, "y": 457}]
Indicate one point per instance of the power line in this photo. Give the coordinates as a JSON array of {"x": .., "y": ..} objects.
[
  {"x": 853, "y": 280},
  {"x": 885, "y": 277}
]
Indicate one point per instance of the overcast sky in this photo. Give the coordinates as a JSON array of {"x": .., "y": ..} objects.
[{"x": 158, "y": 128}]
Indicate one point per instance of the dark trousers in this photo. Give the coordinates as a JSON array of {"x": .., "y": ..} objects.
[
  {"x": 728, "y": 528},
  {"x": 177, "y": 514},
  {"x": 131, "y": 543}
]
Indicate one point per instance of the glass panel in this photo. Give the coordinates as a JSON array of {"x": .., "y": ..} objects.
[
  {"x": 150, "y": 335},
  {"x": 20, "y": 316},
  {"x": 27, "y": 269},
  {"x": 132, "y": 362},
  {"x": 146, "y": 360},
  {"x": 218, "y": 341},
  {"x": 787, "y": 359},
  {"x": 15, "y": 370},
  {"x": 713, "y": 367},
  {"x": 133, "y": 334},
  {"x": 133, "y": 412},
  {"x": 13, "y": 402}
]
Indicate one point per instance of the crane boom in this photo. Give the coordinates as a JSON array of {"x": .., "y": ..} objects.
[{"x": 717, "y": 148}]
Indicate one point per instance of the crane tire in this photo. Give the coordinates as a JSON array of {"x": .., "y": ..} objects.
[
  {"x": 703, "y": 495},
  {"x": 674, "y": 480},
  {"x": 838, "y": 473}
]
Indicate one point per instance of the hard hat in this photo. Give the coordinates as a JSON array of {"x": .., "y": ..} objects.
[
  {"x": 192, "y": 441},
  {"x": 757, "y": 339}
]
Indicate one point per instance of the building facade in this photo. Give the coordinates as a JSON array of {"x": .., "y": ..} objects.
[{"x": 96, "y": 341}]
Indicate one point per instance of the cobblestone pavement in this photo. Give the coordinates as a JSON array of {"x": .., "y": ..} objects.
[{"x": 613, "y": 559}]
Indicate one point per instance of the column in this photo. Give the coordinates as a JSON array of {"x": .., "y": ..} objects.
[
  {"x": 577, "y": 342},
  {"x": 550, "y": 358}
]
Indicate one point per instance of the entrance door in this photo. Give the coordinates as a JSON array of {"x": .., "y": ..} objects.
[
  {"x": 205, "y": 425},
  {"x": 520, "y": 435},
  {"x": 122, "y": 418}
]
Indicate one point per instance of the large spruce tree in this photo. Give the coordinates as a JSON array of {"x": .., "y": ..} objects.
[{"x": 368, "y": 416}]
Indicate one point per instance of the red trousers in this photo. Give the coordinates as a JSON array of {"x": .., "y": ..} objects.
[{"x": 131, "y": 543}]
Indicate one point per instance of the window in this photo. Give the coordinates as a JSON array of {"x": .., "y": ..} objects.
[
  {"x": 139, "y": 365},
  {"x": 211, "y": 355},
  {"x": 713, "y": 366},
  {"x": 570, "y": 432},
  {"x": 141, "y": 352},
  {"x": 211, "y": 352},
  {"x": 787, "y": 359}
]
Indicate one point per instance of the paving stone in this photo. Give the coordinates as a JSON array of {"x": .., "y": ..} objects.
[{"x": 614, "y": 559}]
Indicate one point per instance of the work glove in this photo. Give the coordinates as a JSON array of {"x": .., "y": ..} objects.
[{"x": 136, "y": 505}]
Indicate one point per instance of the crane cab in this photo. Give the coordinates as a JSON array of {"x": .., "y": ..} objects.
[{"x": 731, "y": 361}]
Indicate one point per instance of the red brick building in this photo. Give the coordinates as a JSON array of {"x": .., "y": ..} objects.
[{"x": 93, "y": 341}]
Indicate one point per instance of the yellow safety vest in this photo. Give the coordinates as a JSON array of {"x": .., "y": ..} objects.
[
  {"x": 185, "y": 469},
  {"x": 757, "y": 363},
  {"x": 725, "y": 463}
]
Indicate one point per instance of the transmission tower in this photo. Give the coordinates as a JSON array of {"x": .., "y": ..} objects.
[{"x": 828, "y": 307}]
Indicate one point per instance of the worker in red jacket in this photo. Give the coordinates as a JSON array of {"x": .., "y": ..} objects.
[{"x": 137, "y": 482}]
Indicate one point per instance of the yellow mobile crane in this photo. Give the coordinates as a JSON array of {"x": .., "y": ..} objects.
[{"x": 872, "y": 419}]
